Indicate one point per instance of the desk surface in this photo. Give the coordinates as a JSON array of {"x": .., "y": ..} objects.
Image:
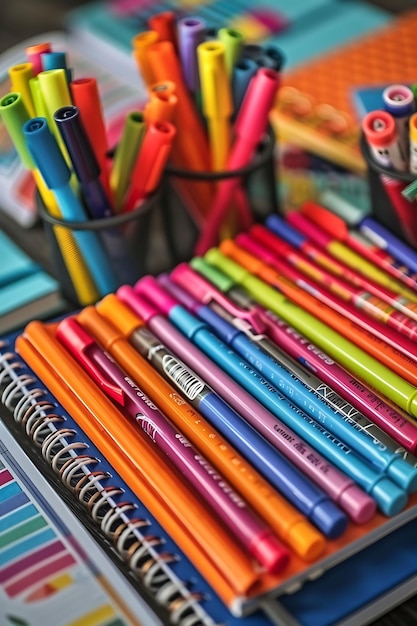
[{"x": 25, "y": 18}]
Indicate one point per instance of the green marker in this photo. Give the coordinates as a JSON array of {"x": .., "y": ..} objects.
[
  {"x": 125, "y": 156},
  {"x": 233, "y": 41},
  {"x": 340, "y": 349}
]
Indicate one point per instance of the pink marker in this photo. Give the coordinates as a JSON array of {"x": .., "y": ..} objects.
[
  {"x": 344, "y": 492},
  {"x": 228, "y": 505},
  {"x": 249, "y": 128},
  {"x": 392, "y": 421}
]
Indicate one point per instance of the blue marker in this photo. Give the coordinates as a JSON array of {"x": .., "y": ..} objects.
[
  {"x": 298, "y": 391},
  {"x": 389, "y": 497},
  {"x": 50, "y": 162},
  {"x": 243, "y": 72}
]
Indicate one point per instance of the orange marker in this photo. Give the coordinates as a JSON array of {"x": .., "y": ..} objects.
[
  {"x": 133, "y": 456},
  {"x": 160, "y": 107},
  {"x": 396, "y": 361},
  {"x": 141, "y": 44},
  {"x": 105, "y": 322}
]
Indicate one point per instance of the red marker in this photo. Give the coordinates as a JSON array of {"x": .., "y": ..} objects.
[{"x": 150, "y": 162}]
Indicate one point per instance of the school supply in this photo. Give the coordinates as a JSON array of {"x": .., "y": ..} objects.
[
  {"x": 105, "y": 505},
  {"x": 26, "y": 290}
]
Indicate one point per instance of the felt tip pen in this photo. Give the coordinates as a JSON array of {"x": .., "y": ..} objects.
[
  {"x": 161, "y": 374},
  {"x": 328, "y": 479},
  {"x": 191, "y": 32},
  {"x": 243, "y": 72},
  {"x": 342, "y": 350},
  {"x": 34, "y": 55},
  {"x": 301, "y": 387},
  {"x": 348, "y": 257},
  {"x": 399, "y": 102},
  {"x": 389, "y": 497},
  {"x": 391, "y": 349},
  {"x": 382, "y": 138},
  {"x": 51, "y": 163},
  {"x": 20, "y": 76},
  {"x": 384, "y": 239},
  {"x": 363, "y": 245},
  {"x": 272, "y": 248},
  {"x": 216, "y": 96},
  {"x": 391, "y": 420},
  {"x": 150, "y": 162},
  {"x": 140, "y": 47},
  {"x": 381, "y": 330},
  {"x": 233, "y": 41},
  {"x": 83, "y": 160},
  {"x": 113, "y": 381},
  {"x": 250, "y": 125},
  {"x": 379, "y": 302},
  {"x": 299, "y": 393}
]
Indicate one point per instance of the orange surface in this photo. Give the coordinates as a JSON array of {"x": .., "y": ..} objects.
[{"x": 315, "y": 105}]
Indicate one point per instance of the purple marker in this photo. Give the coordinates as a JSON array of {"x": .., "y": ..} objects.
[
  {"x": 191, "y": 32},
  {"x": 227, "y": 504},
  {"x": 341, "y": 490}
]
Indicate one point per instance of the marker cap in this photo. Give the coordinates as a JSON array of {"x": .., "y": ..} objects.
[
  {"x": 112, "y": 307},
  {"x": 403, "y": 474},
  {"x": 306, "y": 540},
  {"x": 222, "y": 281},
  {"x": 329, "y": 519},
  {"x": 412, "y": 123},
  {"x": 398, "y": 100},
  {"x": 142, "y": 307},
  {"x": 359, "y": 505},
  {"x": 283, "y": 229},
  {"x": 46, "y": 153},
  {"x": 379, "y": 128},
  {"x": 270, "y": 552},
  {"x": 390, "y": 498}
]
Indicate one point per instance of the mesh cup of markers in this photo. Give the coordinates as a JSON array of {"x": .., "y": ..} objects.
[
  {"x": 389, "y": 146},
  {"x": 258, "y": 179},
  {"x": 124, "y": 238}
]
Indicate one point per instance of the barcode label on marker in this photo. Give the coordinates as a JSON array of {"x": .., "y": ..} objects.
[{"x": 183, "y": 378}]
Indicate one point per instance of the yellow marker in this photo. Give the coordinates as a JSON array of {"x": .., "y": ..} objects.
[
  {"x": 20, "y": 76},
  {"x": 56, "y": 94},
  {"x": 217, "y": 100}
]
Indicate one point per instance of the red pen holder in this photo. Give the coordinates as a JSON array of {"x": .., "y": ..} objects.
[
  {"x": 182, "y": 212},
  {"x": 389, "y": 207}
]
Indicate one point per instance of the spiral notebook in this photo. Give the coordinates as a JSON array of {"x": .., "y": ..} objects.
[{"x": 152, "y": 562}]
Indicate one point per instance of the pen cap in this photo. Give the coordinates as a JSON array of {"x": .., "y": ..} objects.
[
  {"x": 308, "y": 228},
  {"x": 191, "y": 32},
  {"x": 164, "y": 24},
  {"x": 215, "y": 85},
  {"x": 86, "y": 97},
  {"x": 83, "y": 159},
  {"x": 46, "y": 153},
  {"x": 379, "y": 128},
  {"x": 283, "y": 229},
  {"x": 112, "y": 307},
  {"x": 232, "y": 269},
  {"x": 214, "y": 275},
  {"x": 149, "y": 287},
  {"x": 184, "y": 276},
  {"x": 140, "y": 45},
  {"x": 179, "y": 293},
  {"x": 103, "y": 330},
  {"x": 253, "y": 115},
  {"x": 144, "y": 309},
  {"x": 14, "y": 115},
  {"x": 233, "y": 41},
  {"x": 412, "y": 124},
  {"x": 20, "y": 76},
  {"x": 269, "y": 239},
  {"x": 33, "y": 55},
  {"x": 398, "y": 100}
]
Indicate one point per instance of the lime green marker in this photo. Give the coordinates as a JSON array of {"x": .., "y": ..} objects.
[
  {"x": 233, "y": 41},
  {"x": 56, "y": 94},
  {"x": 125, "y": 156},
  {"x": 342, "y": 350}
]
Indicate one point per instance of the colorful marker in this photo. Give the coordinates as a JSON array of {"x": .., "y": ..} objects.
[
  {"x": 191, "y": 32},
  {"x": 239, "y": 303},
  {"x": 180, "y": 393},
  {"x": 399, "y": 102},
  {"x": 382, "y": 137},
  {"x": 341, "y": 253},
  {"x": 363, "y": 300},
  {"x": 125, "y": 156},
  {"x": 243, "y": 523},
  {"x": 298, "y": 390},
  {"x": 389, "y": 497},
  {"x": 327, "y": 478},
  {"x": 393, "y": 350},
  {"x": 338, "y": 229},
  {"x": 345, "y": 352}
]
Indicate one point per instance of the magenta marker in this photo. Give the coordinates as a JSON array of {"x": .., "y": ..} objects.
[
  {"x": 244, "y": 524},
  {"x": 343, "y": 491},
  {"x": 391, "y": 420}
]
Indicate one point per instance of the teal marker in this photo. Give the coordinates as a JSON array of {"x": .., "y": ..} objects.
[{"x": 346, "y": 353}]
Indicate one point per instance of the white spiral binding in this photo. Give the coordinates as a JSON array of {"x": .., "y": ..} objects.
[{"x": 62, "y": 452}]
